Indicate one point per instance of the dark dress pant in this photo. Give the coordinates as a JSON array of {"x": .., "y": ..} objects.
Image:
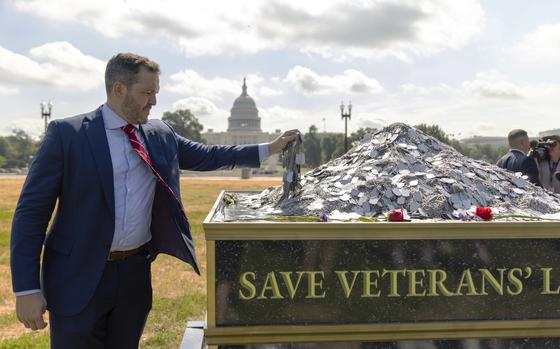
[{"x": 115, "y": 316}]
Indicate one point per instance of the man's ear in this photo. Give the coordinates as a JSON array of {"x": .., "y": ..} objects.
[{"x": 119, "y": 89}]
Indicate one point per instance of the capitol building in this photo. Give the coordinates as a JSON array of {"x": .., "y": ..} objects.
[{"x": 244, "y": 126}]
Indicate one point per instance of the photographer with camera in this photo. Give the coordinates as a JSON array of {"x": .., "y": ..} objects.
[
  {"x": 547, "y": 155},
  {"x": 516, "y": 159}
]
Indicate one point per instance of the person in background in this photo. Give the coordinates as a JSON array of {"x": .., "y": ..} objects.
[
  {"x": 516, "y": 160},
  {"x": 549, "y": 166}
]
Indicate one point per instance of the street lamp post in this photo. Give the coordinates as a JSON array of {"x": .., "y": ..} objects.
[
  {"x": 346, "y": 116},
  {"x": 46, "y": 109}
]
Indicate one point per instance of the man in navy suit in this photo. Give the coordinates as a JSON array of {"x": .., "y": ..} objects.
[
  {"x": 115, "y": 175},
  {"x": 516, "y": 159}
]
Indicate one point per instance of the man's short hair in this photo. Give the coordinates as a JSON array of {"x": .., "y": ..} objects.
[
  {"x": 515, "y": 136},
  {"x": 124, "y": 67}
]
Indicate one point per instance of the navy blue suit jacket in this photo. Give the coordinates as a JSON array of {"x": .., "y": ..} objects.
[
  {"x": 74, "y": 166},
  {"x": 516, "y": 161}
]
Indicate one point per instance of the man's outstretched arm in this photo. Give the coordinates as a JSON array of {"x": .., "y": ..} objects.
[{"x": 201, "y": 157}]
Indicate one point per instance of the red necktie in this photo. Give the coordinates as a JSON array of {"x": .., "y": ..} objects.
[{"x": 141, "y": 151}]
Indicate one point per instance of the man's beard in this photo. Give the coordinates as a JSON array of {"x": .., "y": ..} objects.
[{"x": 133, "y": 110}]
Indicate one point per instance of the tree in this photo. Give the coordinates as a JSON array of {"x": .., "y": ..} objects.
[
  {"x": 484, "y": 152},
  {"x": 438, "y": 133},
  {"x": 328, "y": 147},
  {"x": 4, "y": 146},
  {"x": 434, "y": 131},
  {"x": 185, "y": 124},
  {"x": 499, "y": 152},
  {"x": 312, "y": 147},
  {"x": 359, "y": 134},
  {"x": 339, "y": 146},
  {"x": 17, "y": 149}
]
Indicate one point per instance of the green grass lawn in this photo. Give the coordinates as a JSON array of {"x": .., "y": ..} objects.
[{"x": 179, "y": 294}]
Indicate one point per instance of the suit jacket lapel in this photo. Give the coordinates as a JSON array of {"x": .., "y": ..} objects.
[
  {"x": 154, "y": 147},
  {"x": 97, "y": 137}
]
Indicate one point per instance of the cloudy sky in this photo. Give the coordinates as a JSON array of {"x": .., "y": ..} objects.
[{"x": 473, "y": 67}]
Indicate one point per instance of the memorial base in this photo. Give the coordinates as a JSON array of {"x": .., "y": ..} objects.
[
  {"x": 419, "y": 284},
  {"x": 194, "y": 339}
]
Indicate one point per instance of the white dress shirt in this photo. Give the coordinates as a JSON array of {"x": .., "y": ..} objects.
[{"x": 134, "y": 185}]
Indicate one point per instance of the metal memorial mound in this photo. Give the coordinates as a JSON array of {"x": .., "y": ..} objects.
[
  {"x": 401, "y": 167},
  {"x": 363, "y": 282}
]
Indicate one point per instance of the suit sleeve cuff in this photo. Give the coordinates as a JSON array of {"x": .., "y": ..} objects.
[
  {"x": 26, "y": 293},
  {"x": 263, "y": 152}
]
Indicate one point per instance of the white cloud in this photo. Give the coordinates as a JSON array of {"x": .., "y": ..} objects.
[
  {"x": 33, "y": 127},
  {"x": 56, "y": 64},
  {"x": 8, "y": 91},
  {"x": 373, "y": 29},
  {"x": 197, "y": 105},
  {"x": 269, "y": 92},
  {"x": 541, "y": 46},
  {"x": 334, "y": 28},
  {"x": 352, "y": 81},
  {"x": 415, "y": 90},
  {"x": 487, "y": 104},
  {"x": 277, "y": 117},
  {"x": 369, "y": 121},
  {"x": 492, "y": 84},
  {"x": 95, "y": 14},
  {"x": 190, "y": 83},
  {"x": 281, "y": 113},
  {"x": 461, "y": 111}
]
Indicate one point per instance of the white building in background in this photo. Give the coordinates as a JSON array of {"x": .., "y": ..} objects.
[
  {"x": 549, "y": 133},
  {"x": 244, "y": 127}
]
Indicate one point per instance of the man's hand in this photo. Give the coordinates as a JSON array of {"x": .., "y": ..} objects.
[
  {"x": 30, "y": 310},
  {"x": 277, "y": 145}
]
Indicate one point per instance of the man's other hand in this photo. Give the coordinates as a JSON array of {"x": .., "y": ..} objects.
[
  {"x": 277, "y": 145},
  {"x": 30, "y": 310}
]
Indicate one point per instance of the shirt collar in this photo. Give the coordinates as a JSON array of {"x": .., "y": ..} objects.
[
  {"x": 111, "y": 120},
  {"x": 517, "y": 150}
]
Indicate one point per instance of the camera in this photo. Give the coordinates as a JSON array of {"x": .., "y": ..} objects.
[{"x": 539, "y": 150}]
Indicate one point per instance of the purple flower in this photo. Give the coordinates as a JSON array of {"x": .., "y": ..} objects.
[{"x": 324, "y": 217}]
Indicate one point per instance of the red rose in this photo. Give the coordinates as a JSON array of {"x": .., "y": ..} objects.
[
  {"x": 395, "y": 216},
  {"x": 485, "y": 213}
]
